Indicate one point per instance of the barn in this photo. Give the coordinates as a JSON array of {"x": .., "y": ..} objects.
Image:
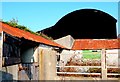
[
  {"x": 84, "y": 24},
  {"x": 19, "y": 51},
  {"x": 86, "y": 31},
  {"x": 86, "y": 35}
]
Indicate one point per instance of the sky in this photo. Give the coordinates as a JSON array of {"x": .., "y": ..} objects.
[{"x": 40, "y": 15}]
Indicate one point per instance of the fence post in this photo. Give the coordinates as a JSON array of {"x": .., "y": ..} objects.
[
  {"x": 1, "y": 55},
  {"x": 103, "y": 64},
  {"x": 41, "y": 67}
]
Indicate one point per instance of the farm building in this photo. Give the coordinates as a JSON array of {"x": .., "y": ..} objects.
[
  {"x": 89, "y": 51},
  {"x": 86, "y": 31},
  {"x": 19, "y": 51},
  {"x": 84, "y": 24},
  {"x": 81, "y": 40}
]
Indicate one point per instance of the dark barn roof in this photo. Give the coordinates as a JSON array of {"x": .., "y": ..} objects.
[{"x": 84, "y": 24}]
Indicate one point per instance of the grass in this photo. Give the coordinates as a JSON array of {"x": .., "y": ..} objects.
[{"x": 91, "y": 55}]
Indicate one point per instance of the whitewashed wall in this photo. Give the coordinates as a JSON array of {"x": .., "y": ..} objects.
[
  {"x": 67, "y": 54},
  {"x": 113, "y": 57}
]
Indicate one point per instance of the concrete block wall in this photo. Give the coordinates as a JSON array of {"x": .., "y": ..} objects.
[
  {"x": 47, "y": 64},
  {"x": 10, "y": 72},
  {"x": 66, "y": 41}
]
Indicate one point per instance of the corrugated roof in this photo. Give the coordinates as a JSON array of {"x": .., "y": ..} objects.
[
  {"x": 81, "y": 44},
  {"x": 27, "y": 35}
]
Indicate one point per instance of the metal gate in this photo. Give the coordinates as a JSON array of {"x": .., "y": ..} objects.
[{"x": 103, "y": 69}]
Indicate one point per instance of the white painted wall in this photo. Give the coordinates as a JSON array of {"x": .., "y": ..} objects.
[
  {"x": 67, "y": 54},
  {"x": 113, "y": 57}
]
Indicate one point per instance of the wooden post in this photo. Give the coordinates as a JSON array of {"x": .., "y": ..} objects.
[
  {"x": 103, "y": 64},
  {"x": 1, "y": 54},
  {"x": 41, "y": 76}
]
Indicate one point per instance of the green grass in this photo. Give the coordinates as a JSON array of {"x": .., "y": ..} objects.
[{"x": 91, "y": 55}]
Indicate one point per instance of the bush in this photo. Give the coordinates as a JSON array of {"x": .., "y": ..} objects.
[{"x": 14, "y": 23}]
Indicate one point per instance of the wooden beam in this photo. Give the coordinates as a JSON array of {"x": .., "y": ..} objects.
[
  {"x": 1, "y": 55},
  {"x": 79, "y": 73},
  {"x": 81, "y": 66}
]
